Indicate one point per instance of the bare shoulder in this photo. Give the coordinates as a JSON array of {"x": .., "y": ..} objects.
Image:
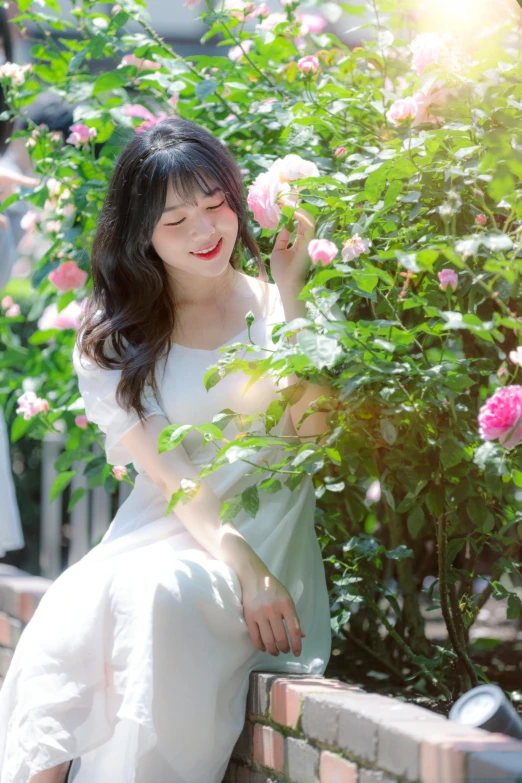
[{"x": 267, "y": 294}]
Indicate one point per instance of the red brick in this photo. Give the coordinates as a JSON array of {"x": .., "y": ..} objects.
[
  {"x": 444, "y": 757},
  {"x": 20, "y": 595},
  {"x": 269, "y": 747},
  {"x": 335, "y": 769},
  {"x": 287, "y": 695}
]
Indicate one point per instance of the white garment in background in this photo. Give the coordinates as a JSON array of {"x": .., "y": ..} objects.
[
  {"x": 136, "y": 662},
  {"x": 11, "y": 534}
]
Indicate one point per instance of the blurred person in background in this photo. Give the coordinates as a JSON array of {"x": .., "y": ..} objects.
[{"x": 16, "y": 172}]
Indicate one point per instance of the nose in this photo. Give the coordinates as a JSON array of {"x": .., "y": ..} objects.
[{"x": 204, "y": 227}]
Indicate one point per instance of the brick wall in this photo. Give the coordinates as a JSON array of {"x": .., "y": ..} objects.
[{"x": 309, "y": 729}]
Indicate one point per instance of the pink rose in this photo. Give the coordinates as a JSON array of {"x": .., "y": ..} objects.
[
  {"x": 293, "y": 167},
  {"x": 261, "y": 10},
  {"x": 81, "y": 421},
  {"x": 401, "y": 110},
  {"x": 424, "y": 99},
  {"x": 322, "y": 251},
  {"x": 340, "y": 151},
  {"x": 354, "y": 247},
  {"x": 272, "y": 20},
  {"x": 237, "y": 52},
  {"x": 29, "y": 404},
  {"x": 448, "y": 277},
  {"x": 81, "y": 134},
  {"x": 7, "y": 301},
  {"x": 373, "y": 493},
  {"x": 68, "y": 318},
  {"x": 516, "y": 355},
  {"x": 502, "y": 373},
  {"x": 140, "y": 63},
  {"x": 240, "y": 10},
  {"x": 119, "y": 471},
  {"x": 137, "y": 110},
  {"x": 13, "y": 310},
  {"x": 261, "y": 199},
  {"x": 192, "y": 3},
  {"x": 481, "y": 220},
  {"x": 68, "y": 276},
  {"x": 500, "y": 418},
  {"x": 173, "y": 100},
  {"x": 311, "y": 23},
  {"x": 427, "y": 49},
  {"x": 308, "y": 63},
  {"x": 30, "y": 220}
]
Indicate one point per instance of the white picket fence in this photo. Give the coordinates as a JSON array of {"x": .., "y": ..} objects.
[{"x": 86, "y": 522}]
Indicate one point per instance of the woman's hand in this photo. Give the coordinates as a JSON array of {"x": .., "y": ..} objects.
[
  {"x": 289, "y": 265},
  {"x": 266, "y": 602},
  {"x": 10, "y": 179}
]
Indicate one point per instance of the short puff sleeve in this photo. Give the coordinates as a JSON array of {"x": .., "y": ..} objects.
[{"x": 98, "y": 389}]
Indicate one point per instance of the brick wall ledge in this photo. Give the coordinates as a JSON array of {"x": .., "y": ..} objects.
[{"x": 310, "y": 729}]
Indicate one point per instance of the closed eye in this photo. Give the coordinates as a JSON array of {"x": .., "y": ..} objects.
[{"x": 181, "y": 221}]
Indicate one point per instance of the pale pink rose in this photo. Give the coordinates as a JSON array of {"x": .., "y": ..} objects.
[
  {"x": 137, "y": 110},
  {"x": 79, "y": 135},
  {"x": 481, "y": 220},
  {"x": 261, "y": 10},
  {"x": 192, "y": 3},
  {"x": 311, "y": 23},
  {"x": 500, "y": 418},
  {"x": 240, "y": 10},
  {"x": 340, "y": 151},
  {"x": 53, "y": 226},
  {"x": 401, "y": 110},
  {"x": 68, "y": 318},
  {"x": 388, "y": 84},
  {"x": 502, "y": 373},
  {"x": 427, "y": 49},
  {"x": 373, "y": 493},
  {"x": 30, "y": 221},
  {"x": 516, "y": 355},
  {"x": 13, "y": 310},
  {"x": 140, "y": 63},
  {"x": 448, "y": 277},
  {"x": 308, "y": 63},
  {"x": 237, "y": 52},
  {"x": 354, "y": 247},
  {"x": 424, "y": 99},
  {"x": 226, "y": 91},
  {"x": 272, "y": 20},
  {"x": 54, "y": 186},
  {"x": 261, "y": 199},
  {"x": 81, "y": 421},
  {"x": 293, "y": 167},
  {"x": 173, "y": 100},
  {"x": 7, "y": 301},
  {"x": 68, "y": 276},
  {"x": 322, "y": 251},
  {"x": 30, "y": 405},
  {"x": 119, "y": 471}
]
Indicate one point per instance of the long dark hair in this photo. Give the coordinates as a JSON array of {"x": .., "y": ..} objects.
[{"x": 130, "y": 307}]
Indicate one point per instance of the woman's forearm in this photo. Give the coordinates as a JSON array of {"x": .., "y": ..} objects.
[
  {"x": 200, "y": 515},
  {"x": 223, "y": 540}
]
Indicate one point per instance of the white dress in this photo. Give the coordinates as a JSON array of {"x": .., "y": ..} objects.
[{"x": 136, "y": 662}]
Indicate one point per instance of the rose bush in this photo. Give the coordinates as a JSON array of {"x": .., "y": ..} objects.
[{"x": 406, "y": 150}]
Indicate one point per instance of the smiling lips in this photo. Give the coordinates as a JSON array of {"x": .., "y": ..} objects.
[{"x": 210, "y": 253}]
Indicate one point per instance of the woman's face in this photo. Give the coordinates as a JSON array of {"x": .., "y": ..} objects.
[{"x": 184, "y": 229}]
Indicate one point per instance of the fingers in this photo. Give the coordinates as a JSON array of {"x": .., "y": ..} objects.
[
  {"x": 4, "y": 221},
  {"x": 8, "y": 177},
  {"x": 255, "y": 635},
  {"x": 294, "y": 629},
  {"x": 268, "y": 636}
]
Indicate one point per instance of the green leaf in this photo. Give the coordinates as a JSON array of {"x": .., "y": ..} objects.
[
  {"x": 111, "y": 80},
  {"x": 416, "y": 521},
  {"x": 514, "y": 606},
  {"x": 61, "y": 482},
  {"x": 250, "y": 500}
]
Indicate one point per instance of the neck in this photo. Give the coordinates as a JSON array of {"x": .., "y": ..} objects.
[{"x": 188, "y": 289}]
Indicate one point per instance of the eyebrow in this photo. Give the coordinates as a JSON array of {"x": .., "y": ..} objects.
[{"x": 180, "y": 206}]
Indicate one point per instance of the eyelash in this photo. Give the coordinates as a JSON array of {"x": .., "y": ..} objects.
[{"x": 181, "y": 221}]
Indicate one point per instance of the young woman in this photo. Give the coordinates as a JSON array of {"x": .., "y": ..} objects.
[{"x": 136, "y": 663}]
